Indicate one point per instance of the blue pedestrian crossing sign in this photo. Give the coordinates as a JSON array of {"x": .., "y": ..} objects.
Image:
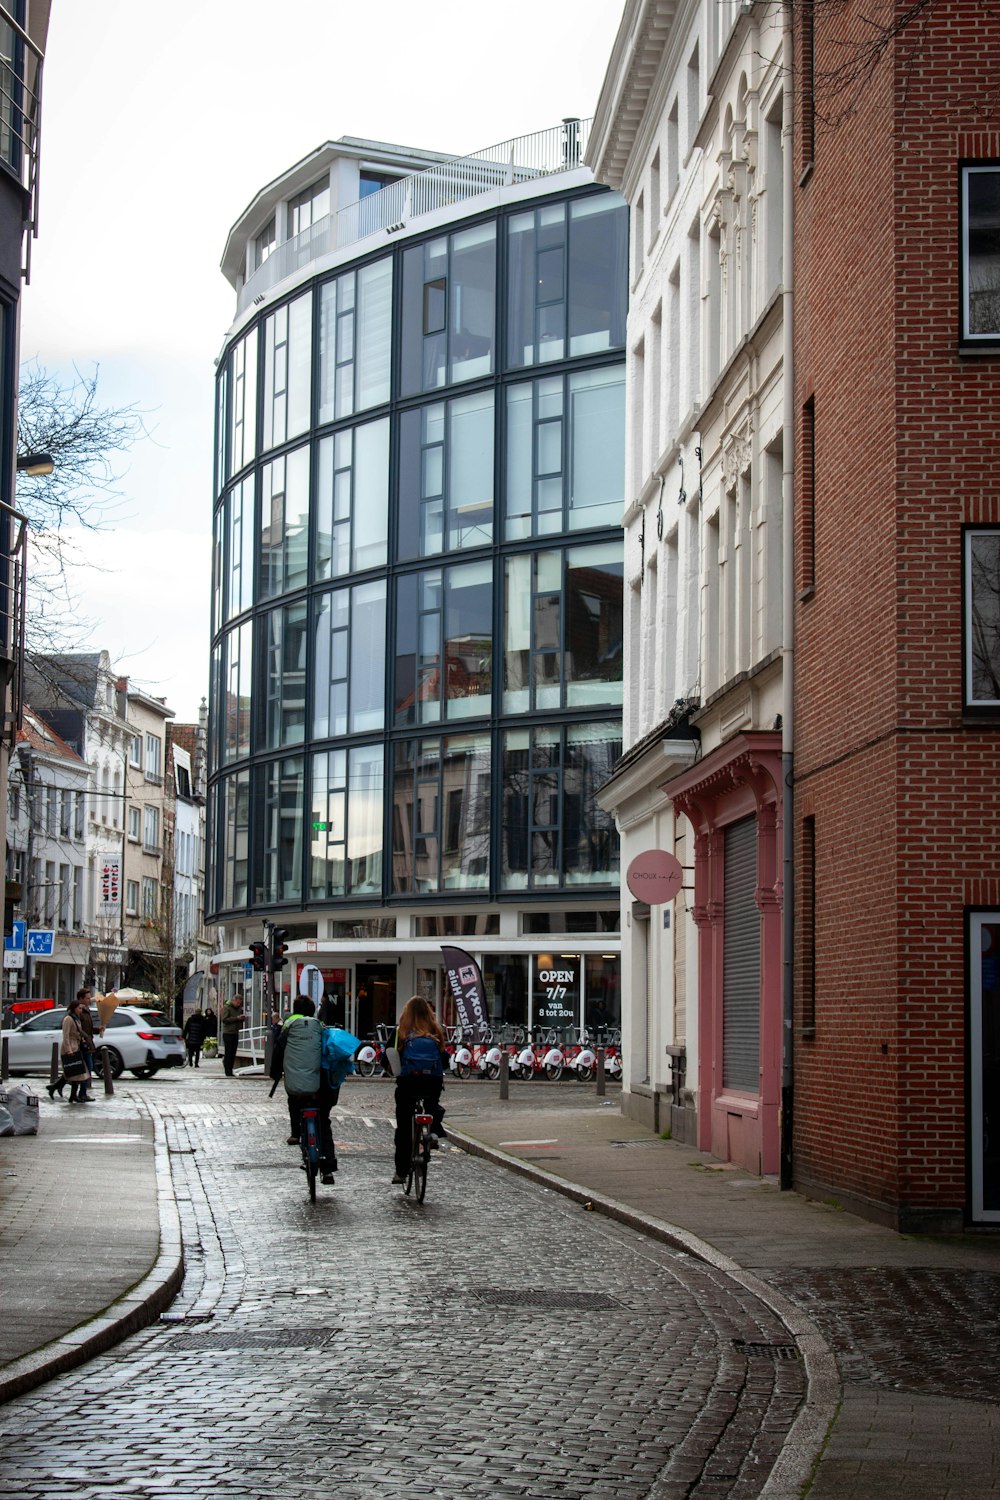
[
  {"x": 40, "y": 942},
  {"x": 15, "y": 942}
]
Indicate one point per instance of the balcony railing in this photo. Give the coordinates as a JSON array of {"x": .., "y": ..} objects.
[
  {"x": 21, "y": 117},
  {"x": 543, "y": 154}
]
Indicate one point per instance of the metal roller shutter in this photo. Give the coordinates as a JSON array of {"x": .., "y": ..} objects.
[{"x": 741, "y": 960}]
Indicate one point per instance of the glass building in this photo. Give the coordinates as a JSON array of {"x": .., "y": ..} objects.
[{"x": 416, "y": 682}]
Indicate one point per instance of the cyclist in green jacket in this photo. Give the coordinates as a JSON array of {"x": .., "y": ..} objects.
[{"x": 297, "y": 1057}]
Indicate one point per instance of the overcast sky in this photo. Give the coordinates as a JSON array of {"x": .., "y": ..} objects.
[{"x": 159, "y": 125}]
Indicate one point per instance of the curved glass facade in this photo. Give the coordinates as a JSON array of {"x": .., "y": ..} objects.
[{"x": 417, "y": 595}]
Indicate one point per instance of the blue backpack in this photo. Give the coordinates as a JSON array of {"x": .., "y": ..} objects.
[
  {"x": 421, "y": 1054},
  {"x": 338, "y": 1048}
]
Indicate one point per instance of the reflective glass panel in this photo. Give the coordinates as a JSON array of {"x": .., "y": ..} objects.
[
  {"x": 284, "y": 524},
  {"x": 441, "y": 814},
  {"x": 280, "y": 804},
  {"x": 352, "y": 500},
  {"x": 594, "y": 616},
  {"x": 597, "y": 458},
  {"x": 286, "y": 638},
  {"x": 982, "y": 592},
  {"x": 598, "y": 273}
]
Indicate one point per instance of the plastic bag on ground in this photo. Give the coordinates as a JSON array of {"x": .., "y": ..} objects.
[
  {"x": 22, "y": 1105},
  {"x": 6, "y": 1118}
]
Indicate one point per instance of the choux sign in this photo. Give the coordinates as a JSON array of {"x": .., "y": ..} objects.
[{"x": 655, "y": 877}]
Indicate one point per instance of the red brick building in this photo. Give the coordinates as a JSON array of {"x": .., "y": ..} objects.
[{"x": 897, "y": 616}]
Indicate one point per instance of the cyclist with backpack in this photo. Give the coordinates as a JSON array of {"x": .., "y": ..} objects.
[
  {"x": 297, "y": 1056},
  {"x": 422, "y": 1059}
]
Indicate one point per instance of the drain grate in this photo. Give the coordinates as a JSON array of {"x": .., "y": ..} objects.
[
  {"x": 543, "y": 1297},
  {"x": 640, "y": 1141},
  {"x": 249, "y": 1338},
  {"x": 768, "y": 1351}
]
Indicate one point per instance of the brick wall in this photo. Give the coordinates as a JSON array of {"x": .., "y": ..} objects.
[{"x": 902, "y": 791}]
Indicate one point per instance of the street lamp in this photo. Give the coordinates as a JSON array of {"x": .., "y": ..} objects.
[{"x": 35, "y": 465}]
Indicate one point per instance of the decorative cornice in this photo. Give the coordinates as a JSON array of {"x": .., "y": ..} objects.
[{"x": 628, "y": 85}]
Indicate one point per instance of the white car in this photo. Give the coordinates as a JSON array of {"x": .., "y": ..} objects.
[{"x": 135, "y": 1038}]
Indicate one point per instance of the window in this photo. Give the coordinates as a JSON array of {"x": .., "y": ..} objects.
[
  {"x": 372, "y": 182},
  {"x": 65, "y": 813},
  {"x": 286, "y": 640},
  {"x": 150, "y": 899},
  {"x": 278, "y": 803},
  {"x": 77, "y": 895},
  {"x": 563, "y": 615},
  {"x": 151, "y": 829},
  {"x": 553, "y": 831},
  {"x": 234, "y": 696},
  {"x": 78, "y": 814},
  {"x": 287, "y": 359},
  {"x": 154, "y": 757},
  {"x": 243, "y": 408},
  {"x": 444, "y": 644},
  {"x": 355, "y": 341},
  {"x": 565, "y": 452},
  {"x": 981, "y": 254},
  {"x": 182, "y": 780},
  {"x": 237, "y": 518},
  {"x": 566, "y": 279},
  {"x": 808, "y": 507},
  {"x": 131, "y": 898},
  {"x": 135, "y": 751},
  {"x": 134, "y": 824},
  {"x": 352, "y": 500},
  {"x": 982, "y": 618},
  {"x": 446, "y": 476},
  {"x": 807, "y": 919},
  {"x": 308, "y": 207},
  {"x": 449, "y": 295},
  {"x": 265, "y": 243},
  {"x": 284, "y": 524},
  {"x": 234, "y": 823},
  {"x": 441, "y": 814},
  {"x": 349, "y": 660},
  {"x": 347, "y": 838}
]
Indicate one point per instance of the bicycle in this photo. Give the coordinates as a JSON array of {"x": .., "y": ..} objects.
[
  {"x": 420, "y": 1151},
  {"x": 309, "y": 1143}
]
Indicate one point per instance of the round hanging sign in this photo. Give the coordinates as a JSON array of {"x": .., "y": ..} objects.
[{"x": 655, "y": 877}]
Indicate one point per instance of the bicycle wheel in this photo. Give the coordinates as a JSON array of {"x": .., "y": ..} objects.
[
  {"x": 411, "y": 1173},
  {"x": 365, "y": 1069},
  {"x": 310, "y": 1155},
  {"x": 420, "y": 1161}
]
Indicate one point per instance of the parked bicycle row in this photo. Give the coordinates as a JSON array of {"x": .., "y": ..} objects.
[{"x": 546, "y": 1053}]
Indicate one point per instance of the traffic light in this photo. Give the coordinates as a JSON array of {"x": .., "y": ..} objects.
[
  {"x": 258, "y": 956},
  {"x": 279, "y": 947}
]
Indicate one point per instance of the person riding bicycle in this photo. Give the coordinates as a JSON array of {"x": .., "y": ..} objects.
[
  {"x": 422, "y": 1061},
  {"x": 297, "y": 1056}
]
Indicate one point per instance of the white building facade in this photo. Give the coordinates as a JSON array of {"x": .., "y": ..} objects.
[{"x": 690, "y": 128}]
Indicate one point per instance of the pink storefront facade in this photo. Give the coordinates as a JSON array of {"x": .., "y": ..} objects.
[{"x": 732, "y": 800}]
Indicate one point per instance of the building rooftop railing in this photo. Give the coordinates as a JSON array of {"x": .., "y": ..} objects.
[
  {"x": 524, "y": 159},
  {"x": 21, "y": 117}
]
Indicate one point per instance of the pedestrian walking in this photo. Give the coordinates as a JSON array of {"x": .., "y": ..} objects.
[
  {"x": 74, "y": 1058},
  {"x": 87, "y": 1026},
  {"x": 194, "y": 1036},
  {"x": 298, "y": 1058},
  {"x": 233, "y": 1018},
  {"x": 422, "y": 1061}
]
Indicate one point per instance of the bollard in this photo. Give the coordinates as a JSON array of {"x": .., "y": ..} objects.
[
  {"x": 600, "y": 1072},
  {"x": 505, "y": 1074},
  {"x": 109, "y": 1085},
  {"x": 54, "y": 1067},
  {"x": 4, "y": 1056}
]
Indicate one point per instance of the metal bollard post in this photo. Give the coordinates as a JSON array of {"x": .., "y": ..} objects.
[
  {"x": 109, "y": 1086},
  {"x": 4, "y": 1051},
  {"x": 54, "y": 1068},
  {"x": 505, "y": 1074},
  {"x": 600, "y": 1072}
]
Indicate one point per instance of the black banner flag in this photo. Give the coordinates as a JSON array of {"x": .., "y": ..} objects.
[{"x": 465, "y": 980}]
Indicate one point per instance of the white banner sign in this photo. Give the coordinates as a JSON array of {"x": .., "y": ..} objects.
[{"x": 109, "y": 895}]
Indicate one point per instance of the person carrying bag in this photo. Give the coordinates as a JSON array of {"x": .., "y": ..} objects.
[{"x": 72, "y": 1051}]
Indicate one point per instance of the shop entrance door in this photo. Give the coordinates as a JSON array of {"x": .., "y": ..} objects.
[
  {"x": 984, "y": 1063},
  {"x": 375, "y": 997}
]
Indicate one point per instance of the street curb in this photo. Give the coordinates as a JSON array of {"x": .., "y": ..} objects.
[
  {"x": 133, "y": 1310},
  {"x": 804, "y": 1443}
]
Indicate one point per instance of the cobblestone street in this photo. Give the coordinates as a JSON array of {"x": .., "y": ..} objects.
[{"x": 498, "y": 1340}]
